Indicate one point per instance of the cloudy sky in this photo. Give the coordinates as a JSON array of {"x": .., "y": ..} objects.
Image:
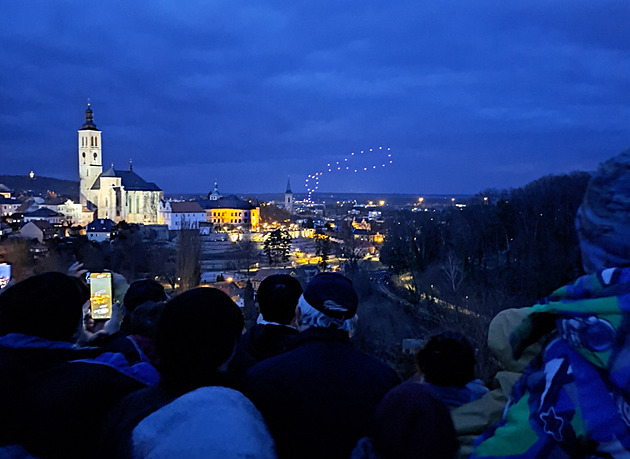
[{"x": 468, "y": 95}]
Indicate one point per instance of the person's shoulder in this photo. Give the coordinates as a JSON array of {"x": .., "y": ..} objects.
[
  {"x": 270, "y": 364},
  {"x": 376, "y": 365}
]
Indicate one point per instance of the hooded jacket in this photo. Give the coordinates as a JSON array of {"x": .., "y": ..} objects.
[{"x": 572, "y": 400}]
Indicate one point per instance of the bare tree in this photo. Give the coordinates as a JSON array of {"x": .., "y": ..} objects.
[
  {"x": 188, "y": 258},
  {"x": 452, "y": 270},
  {"x": 246, "y": 252}
]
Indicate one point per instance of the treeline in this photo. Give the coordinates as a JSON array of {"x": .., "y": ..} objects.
[{"x": 462, "y": 265}]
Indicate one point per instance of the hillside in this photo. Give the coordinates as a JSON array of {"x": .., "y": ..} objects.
[{"x": 41, "y": 185}]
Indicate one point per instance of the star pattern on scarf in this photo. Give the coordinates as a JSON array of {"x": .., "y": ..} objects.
[{"x": 552, "y": 424}]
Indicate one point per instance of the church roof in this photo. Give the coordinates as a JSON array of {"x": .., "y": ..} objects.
[
  {"x": 89, "y": 120},
  {"x": 129, "y": 179},
  {"x": 226, "y": 202}
]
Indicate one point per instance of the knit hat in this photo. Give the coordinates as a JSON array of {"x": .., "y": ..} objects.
[
  {"x": 277, "y": 296},
  {"x": 143, "y": 290},
  {"x": 603, "y": 219},
  {"x": 332, "y": 294},
  {"x": 447, "y": 359},
  {"x": 196, "y": 333},
  {"x": 49, "y": 306}
]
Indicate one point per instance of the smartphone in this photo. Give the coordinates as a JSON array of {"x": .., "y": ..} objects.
[
  {"x": 5, "y": 274},
  {"x": 101, "y": 293}
]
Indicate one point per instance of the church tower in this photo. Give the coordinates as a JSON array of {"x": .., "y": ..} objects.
[
  {"x": 288, "y": 197},
  {"x": 90, "y": 155}
]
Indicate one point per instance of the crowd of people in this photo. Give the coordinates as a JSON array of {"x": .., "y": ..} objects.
[{"x": 180, "y": 377}]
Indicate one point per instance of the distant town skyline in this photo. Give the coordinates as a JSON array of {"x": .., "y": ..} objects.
[{"x": 467, "y": 96}]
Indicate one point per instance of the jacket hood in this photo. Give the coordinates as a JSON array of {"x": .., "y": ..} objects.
[{"x": 499, "y": 332}]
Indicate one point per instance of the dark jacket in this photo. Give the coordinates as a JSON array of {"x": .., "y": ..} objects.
[
  {"x": 54, "y": 396},
  {"x": 319, "y": 398},
  {"x": 259, "y": 343}
]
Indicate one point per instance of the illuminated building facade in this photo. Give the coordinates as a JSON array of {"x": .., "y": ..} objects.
[
  {"x": 230, "y": 212},
  {"x": 117, "y": 194}
]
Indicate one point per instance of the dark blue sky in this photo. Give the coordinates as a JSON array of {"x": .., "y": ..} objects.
[{"x": 468, "y": 95}]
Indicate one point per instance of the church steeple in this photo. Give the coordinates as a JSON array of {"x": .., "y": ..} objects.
[
  {"x": 89, "y": 120},
  {"x": 215, "y": 195},
  {"x": 90, "y": 155},
  {"x": 288, "y": 197}
]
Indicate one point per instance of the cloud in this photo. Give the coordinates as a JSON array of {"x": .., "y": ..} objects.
[{"x": 471, "y": 94}]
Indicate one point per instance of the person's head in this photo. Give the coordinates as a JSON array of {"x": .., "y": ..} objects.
[
  {"x": 141, "y": 291},
  {"x": 447, "y": 359},
  {"x": 145, "y": 319},
  {"x": 48, "y": 306},
  {"x": 196, "y": 336},
  {"x": 603, "y": 219},
  {"x": 278, "y": 296},
  {"x": 329, "y": 301}
]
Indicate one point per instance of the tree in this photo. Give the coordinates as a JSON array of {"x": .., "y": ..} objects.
[
  {"x": 277, "y": 246},
  {"x": 162, "y": 264},
  {"x": 246, "y": 253},
  {"x": 270, "y": 213},
  {"x": 188, "y": 258},
  {"x": 452, "y": 270},
  {"x": 352, "y": 248},
  {"x": 323, "y": 248},
  {"x": 129, "y": 254},
  {"x": 17, "y": 252},
  {"x": 413, "y": 242},
  {"x": 250, "y": 311}
]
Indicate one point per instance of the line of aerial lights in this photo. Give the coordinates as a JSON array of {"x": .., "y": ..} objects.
[{"x": 339, "y": 166}]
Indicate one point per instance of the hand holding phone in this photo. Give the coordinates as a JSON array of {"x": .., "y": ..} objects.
[{"x": 101, "y": 293}]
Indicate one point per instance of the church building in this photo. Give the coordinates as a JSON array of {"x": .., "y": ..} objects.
[
  {"x": 116, "y": 194},
  {"x": 228, "y": 213}
]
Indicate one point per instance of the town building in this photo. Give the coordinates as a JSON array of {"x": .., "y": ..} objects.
[
  {"x": 229, "y": 213},
  {"x": 116, "y": 194},
  {"x": 8, "y": 206},
  {"x": 5, "y": 191},
  {"x": 45, "y": 214},
  {"x": 100, "y": 230},
  {"x": 37, "y": 229},
  {"x": 74, "y": 213},
  {"x": 181, "y": 214}
]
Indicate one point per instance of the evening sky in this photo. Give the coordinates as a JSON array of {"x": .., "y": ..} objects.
[{"x": 468, "y": 95}]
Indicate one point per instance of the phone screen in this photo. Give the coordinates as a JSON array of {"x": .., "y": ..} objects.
[
  {"x": 5, "y": 274},
  {"x": 101, "y": 295}
]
